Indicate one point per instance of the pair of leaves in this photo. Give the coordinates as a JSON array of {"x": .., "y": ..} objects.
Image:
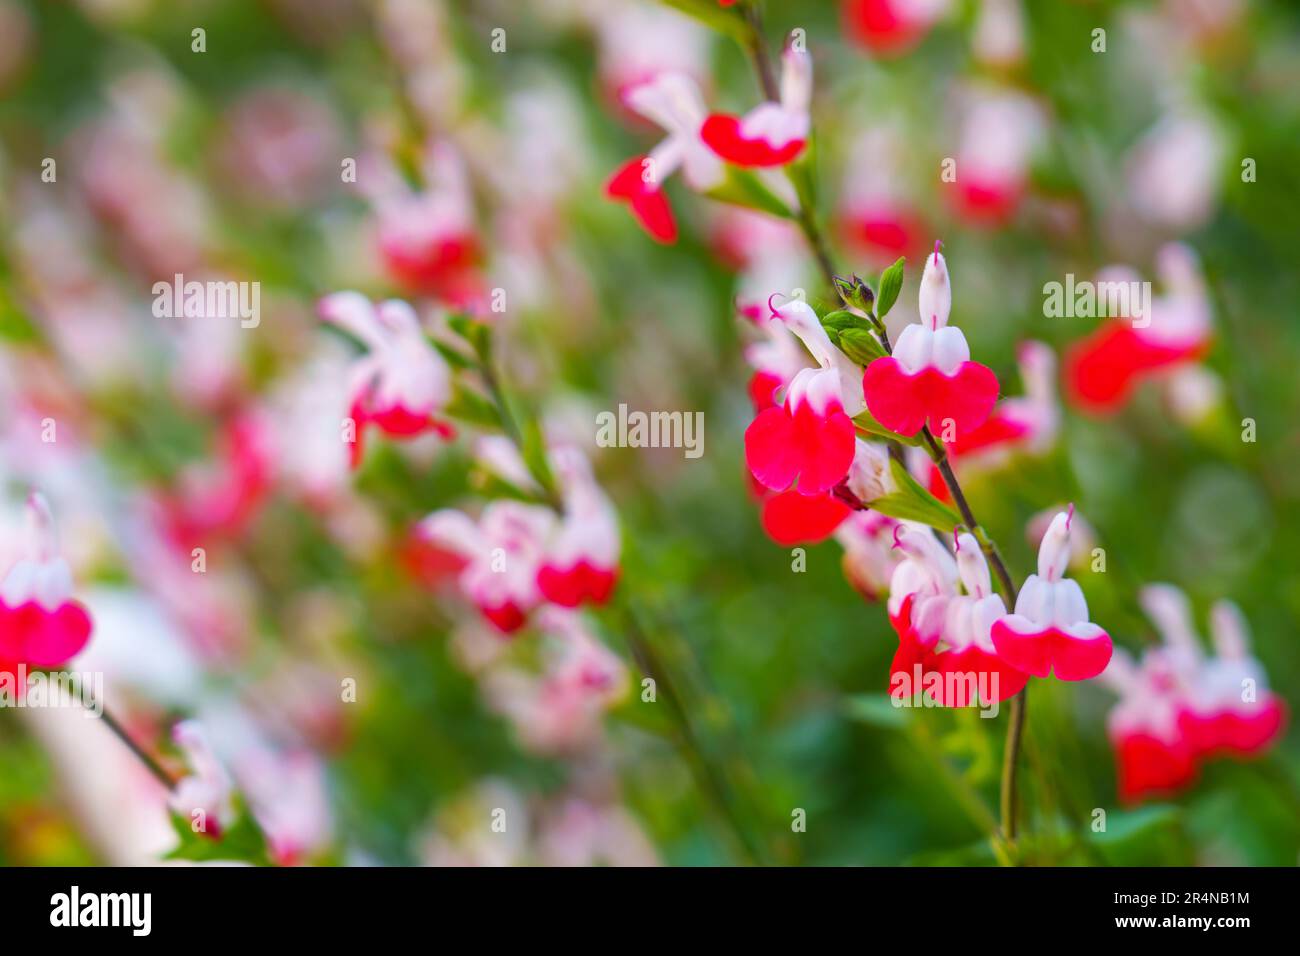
[{"x": 851, "y": 334}]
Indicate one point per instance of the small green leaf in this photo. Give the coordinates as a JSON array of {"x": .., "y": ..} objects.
[
  {"x": 469, "y": 406},
  {"x": 911, "y": 502},
  {"x": 709, "y": 12},
  {"x": 534, "y": 452},
  {"x": 891, "y": 283},
  {"x": 743, "y": 188},
  {"x": 879, "y": 710},
  {"x": 839, "y": 320},
  {"x": 861, "y": 346},
  {"x": 454, "y": 358},
  {"x": 867, "y": 423},
  {"x": 478, "y": 335}
]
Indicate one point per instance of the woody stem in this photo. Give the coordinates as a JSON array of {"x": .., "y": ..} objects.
[
  {"x": 817, "y": 242},
  {"x": 150, "y": 762}
]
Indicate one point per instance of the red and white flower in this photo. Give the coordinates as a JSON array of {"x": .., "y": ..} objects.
[
  {"x": 923, "y": 583},
  {"x": 869, "y": 560},
  {"x": 967, "y": 649},
  {"x": 402, "y": 381},
  {"x": 1050, "y": 631},
  {"x": 929, "y": 376},
  {"x": 1152, "y": 755},
  {"x": 673, "y": 102},
  {"x": 205, "y": 797},
  {"x": 40, "y": 624},
  {"x": 891, "y": 27},
  {"x": 1232, "y": 711},
  {"x": 503, "y": 552},
  {"x": 581, "y": 560},
  {"x": 1001, "y": 129},
  {"x": 1102, "y": 370},
  {"x": 771, "y": 134},
  {"x": 427, "y": 239},
  {"x": 810, "y": 437},
  {"x": 877, "y": 216}
]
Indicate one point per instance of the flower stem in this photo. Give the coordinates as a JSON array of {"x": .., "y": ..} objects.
[{"x": 150, "y": 762}]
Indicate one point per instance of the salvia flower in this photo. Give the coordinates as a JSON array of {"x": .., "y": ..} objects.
[
  {"x": 1050, "y": 631},
  {"x": 426, "y": 238},
  {"x": 810, "y": 437},
  {"x": 673, "y": 102},
  {"x": 581, "y": 561},
  {"x": 1152, "y": 755},
  {"x": 205, "y": 797},
  {"x": 929, "y": 376},
  {"x": 503, "y": 552},
  {"x": 402, "y": 381},
  {"x": 891, "y": 27},
  {"x": 771, "y": 134},
  {"x": 967, "y": 649},
  {"x": 1102, "y": 370},
  {"x": 40, "y": 624}
]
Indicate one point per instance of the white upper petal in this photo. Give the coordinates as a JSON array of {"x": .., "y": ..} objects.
[{"x": 935, "y": 298}]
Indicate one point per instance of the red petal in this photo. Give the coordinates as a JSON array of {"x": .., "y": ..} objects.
[
  {"x": 1025, "y": 652},
  {"x": 722, "y": 134},
  {"x": 791, "y": 518},
  {"x": 903, "y": 402},
  {"x": 1146, "y": 766},
  {"x": 646, "y": 200},
  {"x": 44, "y": 638},
  {"x": 769, "y": 449},
  {"x": 1052, "y": 650},
  {"x": 762, "y": 386},
  {"x": 876, "y": 25},
  {"x": 507, "y": 617},
  {"x": 825, "y": 447},
  {"x": 988, "y": 672},
  {"x": 892, "y": 398}
]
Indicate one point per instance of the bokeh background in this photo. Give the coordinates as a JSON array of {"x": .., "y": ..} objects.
[{"x": 226, "y": 163}]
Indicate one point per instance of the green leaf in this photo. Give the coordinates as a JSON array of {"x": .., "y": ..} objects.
[
  {"x": 911, "y": 502},
  {"x": 743, "y": 188},
  {"x": 891, "y": 282},
  {"x": 878, "y": 710},
  {"x": 477, "y": 334},
  {"x": 454, "y": 358},
  {"x": 243, "y": 840},
  {"x": 534, "y": 452},
  {"x": 839, "y": 320},
  {"x": 709, "y": 12},
  {"x": 867, "y": 423},
  {"x": 469, "y": 406},
  {"x": 861, "y": 345}
]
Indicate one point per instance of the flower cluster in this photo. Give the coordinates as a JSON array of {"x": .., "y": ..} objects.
[{"x": 1179, "y": 708}]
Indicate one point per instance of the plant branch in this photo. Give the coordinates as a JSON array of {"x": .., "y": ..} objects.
[
  {"x": 817, "y": 242},
  {"x": 160, "y": 773}
]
